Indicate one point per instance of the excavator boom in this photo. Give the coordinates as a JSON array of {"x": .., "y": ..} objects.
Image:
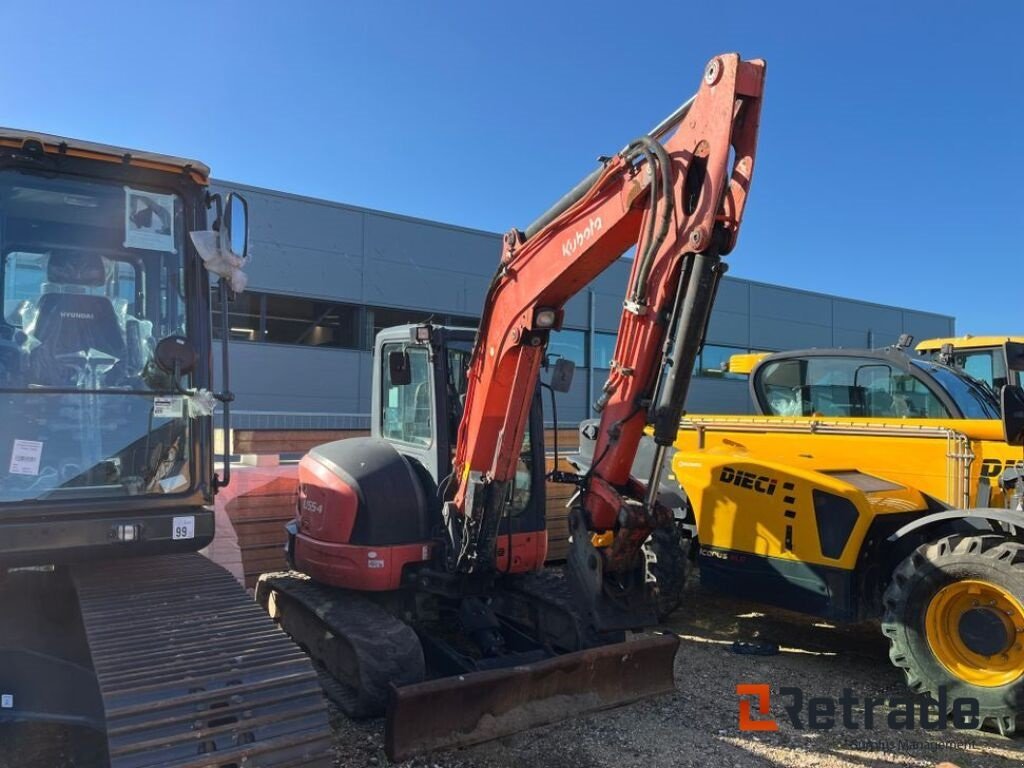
[{"x": 679, "y": 202}]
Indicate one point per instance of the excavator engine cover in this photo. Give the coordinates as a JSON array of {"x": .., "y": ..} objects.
[{"x": 362, "y": 515}]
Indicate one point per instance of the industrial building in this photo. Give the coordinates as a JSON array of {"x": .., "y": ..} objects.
[{"x": 325, "y": 277}]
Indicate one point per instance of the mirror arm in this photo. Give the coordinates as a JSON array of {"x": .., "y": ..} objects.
[
  {"x": 177, "y": 379},
  {"x": 226, "y": 396},
  {"x": 218, "y": 202}
]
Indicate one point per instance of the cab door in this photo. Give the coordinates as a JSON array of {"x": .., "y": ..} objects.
[{"x": 404, "y": 412}]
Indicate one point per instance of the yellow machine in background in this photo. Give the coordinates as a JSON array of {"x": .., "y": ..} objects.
[
  {"x": 873, "y": 484},
  {"x": 986, "y": 358}
]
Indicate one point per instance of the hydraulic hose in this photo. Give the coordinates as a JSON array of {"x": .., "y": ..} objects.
[{"x": 652, "y": 147}]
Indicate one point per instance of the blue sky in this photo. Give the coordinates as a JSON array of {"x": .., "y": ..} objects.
[{"x": 891, "y": 139}]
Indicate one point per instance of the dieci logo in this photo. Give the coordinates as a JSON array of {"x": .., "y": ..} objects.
[
  {"x": 821, "y": 713},
  {"x": 574, "y": 243}
]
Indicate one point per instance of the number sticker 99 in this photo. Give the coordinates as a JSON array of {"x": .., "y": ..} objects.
[{"x": 183, "y": 528}]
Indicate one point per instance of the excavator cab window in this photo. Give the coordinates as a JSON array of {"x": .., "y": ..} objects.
[
  {"x": 457, "y": 370},
  {"x": 91, "y": 274},
  {"x": 406, "y": 405}
]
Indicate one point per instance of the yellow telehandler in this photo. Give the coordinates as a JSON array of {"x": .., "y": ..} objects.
[
  {"x": 874, "y": 484},
  {"x": 871, "y": 484}
]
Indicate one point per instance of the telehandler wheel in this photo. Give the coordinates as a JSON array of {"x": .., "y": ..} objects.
[
  {"x": 667, "y": 567},
  {"x": 954, "y": 616}
]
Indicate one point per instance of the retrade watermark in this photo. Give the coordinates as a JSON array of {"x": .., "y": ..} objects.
[{"x": 758, "y": 712}]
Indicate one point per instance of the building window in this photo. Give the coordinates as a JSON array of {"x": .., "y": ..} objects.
[
  {"x": 571, "y": 345},
  {"x": 255, "y": 316},
  {"x": 243, "y": 317},
  {"x": 311, "y": 323},
  {"x": 604, "y": 349}
]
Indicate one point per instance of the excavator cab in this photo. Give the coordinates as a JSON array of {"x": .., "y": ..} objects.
[
  {"x": 419, "y": 391},
  {"x": 405, "y": 467},
  {"x": 107, "y": 466},
  {"x": 101, "y": 437}
]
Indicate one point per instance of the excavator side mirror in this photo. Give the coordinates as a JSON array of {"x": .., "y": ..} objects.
[
  {"x": 399, "y": 368},
  {"x": 561, "y": 375},
  {"x": 1015, "y": 356},
  {"x": 175, "y": 355},
  {"x": 236, "y": 225},
  {"x": 1011, "y": 400},
  {"x": 173, "y": 358}
]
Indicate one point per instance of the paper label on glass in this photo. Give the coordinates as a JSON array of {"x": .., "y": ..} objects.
[
  {"x": 148, "y": 220},
  {"x": 25, "y": 457},
  {"x": 168, "y": 407}
]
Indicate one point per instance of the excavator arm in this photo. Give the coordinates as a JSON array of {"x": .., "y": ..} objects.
[{"x": 677, "y": 196}]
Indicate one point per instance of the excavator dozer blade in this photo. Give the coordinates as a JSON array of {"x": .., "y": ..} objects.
[{"x": 469, "y": 709}]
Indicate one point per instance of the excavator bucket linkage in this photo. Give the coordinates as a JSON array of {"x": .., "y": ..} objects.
[{"x": 469, "y": 709}]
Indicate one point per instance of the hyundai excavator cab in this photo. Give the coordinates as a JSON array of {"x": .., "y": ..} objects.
[
  {"x": 419, "y": 551},
  {"x": 107, "y": 467}
]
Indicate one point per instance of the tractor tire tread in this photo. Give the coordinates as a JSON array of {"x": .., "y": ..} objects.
[{"x": 991, "y": 549}]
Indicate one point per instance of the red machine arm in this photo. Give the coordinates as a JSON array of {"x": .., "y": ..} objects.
[{"x": 680, "y": 203}]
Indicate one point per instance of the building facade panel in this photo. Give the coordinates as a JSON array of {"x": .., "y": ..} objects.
[
  {"x": 302, "y": 223},
  {"x": 772, "y": 333},
  {"x": 326, "y": 276},
  {"x": 861, "y": 316},
  {"x": 777, "y": 303},
  {"x": 731, "y": 328},
  {"x": 923, "y": 325}
]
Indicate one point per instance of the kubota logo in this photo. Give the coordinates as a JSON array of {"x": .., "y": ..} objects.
[{"x": 582, "y": 236}]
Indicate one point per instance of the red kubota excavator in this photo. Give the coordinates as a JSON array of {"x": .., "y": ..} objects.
[{"x": 419, "y": 551}]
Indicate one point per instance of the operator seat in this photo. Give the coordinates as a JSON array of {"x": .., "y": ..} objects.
[{"x": 70, "y": 321}]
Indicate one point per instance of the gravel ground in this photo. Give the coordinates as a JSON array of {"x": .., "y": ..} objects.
[{"x": 695, "y": 726}]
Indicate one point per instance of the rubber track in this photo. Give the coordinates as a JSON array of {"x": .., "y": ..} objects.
[
  {"x": 193, "y": 673},
  {"x": 386, "y": 650}
]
